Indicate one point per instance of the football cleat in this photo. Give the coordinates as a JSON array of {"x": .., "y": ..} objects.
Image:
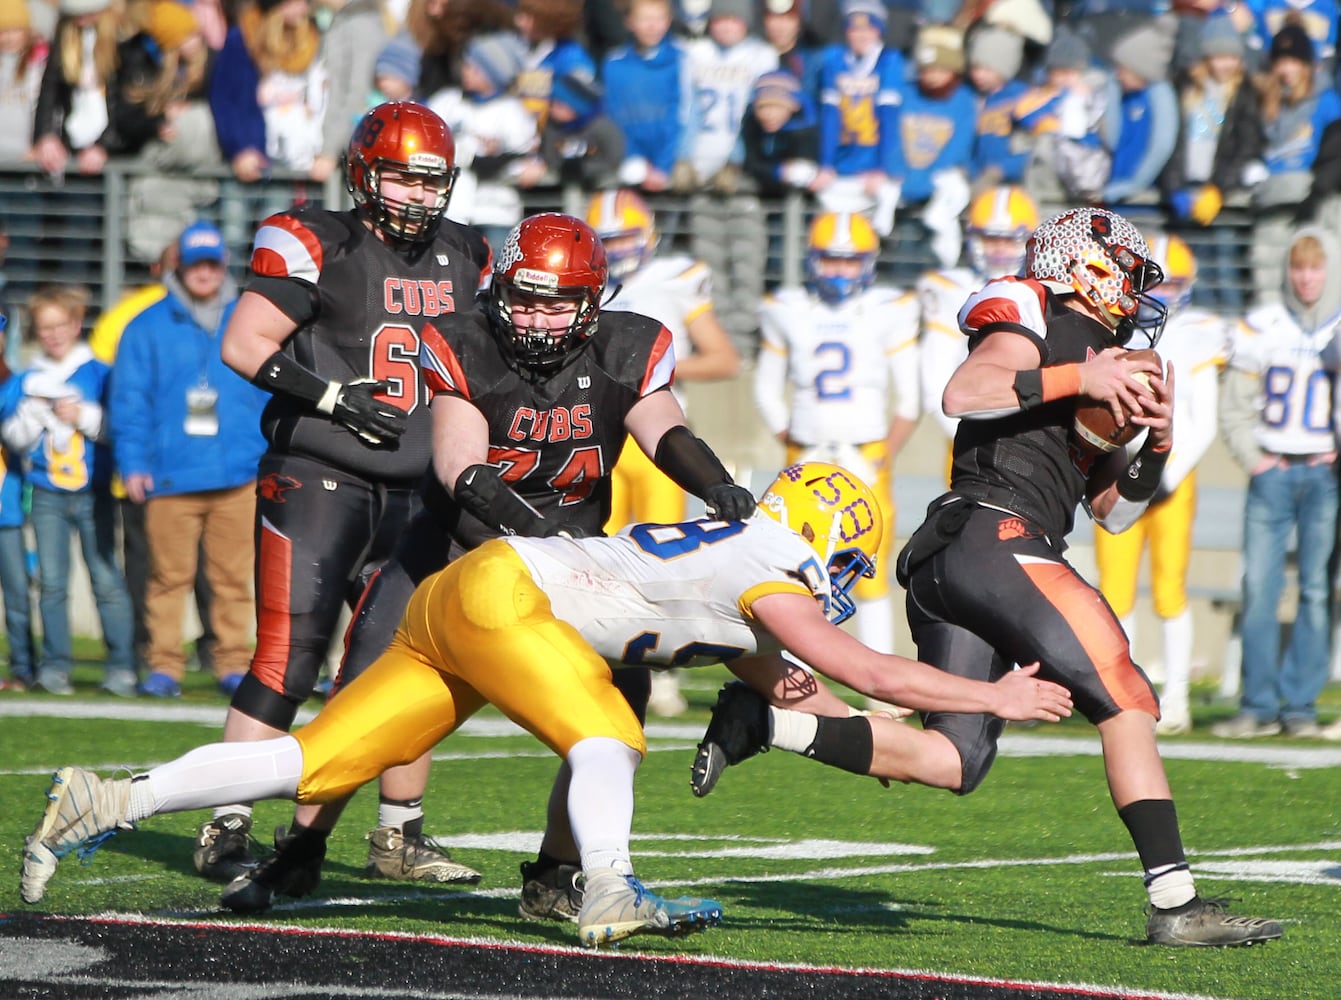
[
  {"x": 550, "y": 892},
  {"x": 737, "y": 731},
  {"x": 223, "y": 848},
  {"x": 1203, "y": 923},
  {"x": 393, "y": 855},
  {"x": 616, "y": 906},
  {"x": 293, "y": 870},
  {"x": 82, "y": 811}
]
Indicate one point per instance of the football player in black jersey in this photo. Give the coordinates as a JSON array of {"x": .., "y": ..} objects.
[
  {"x": 534, "y": 394},
  {"x": 987, "y": 583},
  {"x": 331, "y": 324}
]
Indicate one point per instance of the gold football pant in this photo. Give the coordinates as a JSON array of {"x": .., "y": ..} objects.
[
  {"x": 1167, "y": 526},
  {"x": 640, "y": 492},
  {"x": 876, "y": 455},
  {"x": 478, "y": 631}
]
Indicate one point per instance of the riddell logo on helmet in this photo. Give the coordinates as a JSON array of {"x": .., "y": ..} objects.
[
  {"x": 427, "y": 161},
  {"x": 538, "y": 279}
]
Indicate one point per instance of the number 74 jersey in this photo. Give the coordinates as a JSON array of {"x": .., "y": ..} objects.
[
  {"x": 847, "y": 365},
  {"x": 674, "y": 595}
]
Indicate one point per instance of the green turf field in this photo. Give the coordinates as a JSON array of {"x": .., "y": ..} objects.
[{"x": 1030, "y": 878}]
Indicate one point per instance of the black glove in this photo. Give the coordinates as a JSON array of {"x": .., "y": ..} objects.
[
  {"x": 730, "y": 502},
  {"x": 353, "y": 404}
]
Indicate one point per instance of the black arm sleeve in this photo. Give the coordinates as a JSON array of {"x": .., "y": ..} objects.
[
  {"x": 480, "y": 490},
  {"x": 296, "y": 299},
  {"x": 689, "y": 462},
  {"x": 282, "y": 374}
]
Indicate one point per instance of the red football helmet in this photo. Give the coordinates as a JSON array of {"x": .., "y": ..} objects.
[
  {"x": 550, "y": 264},
  {"x": 410, "y": 140}
]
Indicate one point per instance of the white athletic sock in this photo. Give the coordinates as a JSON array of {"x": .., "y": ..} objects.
[
  {"x": 398, "y": 814},
  {"x": 1177, "y": 659},
  {"x": 1170, "y": 887},
  {"x": 222, "y": 773},
  {"x": 875, "y": 624},
  {"x": 794, "y": 731},
  {"x": 600, "y": 802}
]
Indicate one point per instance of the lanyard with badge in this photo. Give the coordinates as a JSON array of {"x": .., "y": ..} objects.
[{"x": 202, "y": 405}]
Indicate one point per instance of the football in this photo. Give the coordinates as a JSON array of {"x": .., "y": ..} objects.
[{"x": 1095, "y": 430}]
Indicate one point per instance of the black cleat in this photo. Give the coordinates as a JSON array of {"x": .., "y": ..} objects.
[
  {"x": 737, "y": 731},
  {"x": 223, "y": 848},
  {"x": 293, "y": 870},
  {"x": 550, "y": 892},
  {"x": 1204, "y": 923}
]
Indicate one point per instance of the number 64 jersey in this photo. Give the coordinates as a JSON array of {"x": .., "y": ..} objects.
[{"x": 674, "y": 595}]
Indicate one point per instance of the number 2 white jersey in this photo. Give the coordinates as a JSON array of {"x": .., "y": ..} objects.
[
  {"x": 843, "y": 363},
  {"x": 1296, "y": 412},
  {"x": 674, "y": 594},
  {"x": 674, "y": 291}
]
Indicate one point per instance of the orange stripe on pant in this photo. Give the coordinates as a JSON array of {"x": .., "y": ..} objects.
[
  {"x": 274, "y": 576},
  {"x": 1097, "y": 631}
]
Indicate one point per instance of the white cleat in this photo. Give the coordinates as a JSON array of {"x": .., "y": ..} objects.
[{"x": 82, "y": 811}]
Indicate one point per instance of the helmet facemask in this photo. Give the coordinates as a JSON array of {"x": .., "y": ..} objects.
[
  {"x": 534, "y": 347},
  {"x": 407, "y": 222}
]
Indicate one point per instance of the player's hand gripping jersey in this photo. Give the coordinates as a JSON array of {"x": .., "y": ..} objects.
[
  {"x": 555, "y": 440},
  {"x": 352, "y": 328}
]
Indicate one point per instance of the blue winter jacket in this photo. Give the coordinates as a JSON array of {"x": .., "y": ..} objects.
[{"x": 163, "y": 354}]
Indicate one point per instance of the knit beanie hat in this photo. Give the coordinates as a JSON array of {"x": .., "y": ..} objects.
[
  {"x": 783, "y": 7},
  {"x": 498, "y": 56},
  {"x": 1292, "y": 41},
  {"x": 1067, "y": 51},
  {"x": 14, "y": 14},
  {"x": 78, "y": 8},
  {"x": 170, "y": 23},
  {"x": 399, "y": 58},
  {"x": 997, "y": 49},
  {"x": 779, "y": 87},
  {"x": 1145, "y": 51},
  {"x": 743, "y": 9},
  {"x": 940, "y": 45},
  {"x": 1219, "y": 37},
  {"x": 873, "y": 11}
]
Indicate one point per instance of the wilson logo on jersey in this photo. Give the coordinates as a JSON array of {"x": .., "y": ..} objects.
[
  {"x": 442, "y": 260},
  {"x": 562, "y": 423},
  {"x": 417, "y": 297}
]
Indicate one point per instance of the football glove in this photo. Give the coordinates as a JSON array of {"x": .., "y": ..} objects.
[
  {"x": 730, "y": 502},
  {"x": 355, "y": 405}
]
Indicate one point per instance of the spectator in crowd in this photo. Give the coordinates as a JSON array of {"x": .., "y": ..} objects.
[
  {"x": 861, "y": 88},
  {"x": 23, "y": 57},
  {"x": 780, "y": 136},
  {"x": 798, "y": 47},
  {"x": 1146, "y": 121},
  {"x": 395, "y": 73},
  {"x": 268, "y": 90},
  {"x": 1068, "y": 159},
  {"x": 676, "y": 291},
  {"x": 1276, "y": 418},
  {"x": 1194, "y": 343},
  {"x": 550, "y": 29},
  {"x": 995, "y": 56},
  {"x": 643, "y": 82},
  {"x": 1318, "y": 19},
  {"x": 442, "y": 29},
  {"x": 174, "y": 96},
  {"x": 725, "y": 218},
  {"x": 14, "y": 562},
  {"x": 495, "y": 135},
  {"x": 1296, "y": 109},
  {"x": 1220, "y": 135},
  {"x": 937, "y": 129},
  {"x": 845, "y": 351},
  {"x": 80, "y": 88},
  {"x": 187, "y": 437},
  {"x": 352, "y": 42},
  {"x": 578, "y": 144},
  {"x": 53, "y": 415}
]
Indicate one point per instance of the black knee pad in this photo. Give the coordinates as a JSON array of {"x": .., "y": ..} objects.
[{"x": 254, "y": 699}]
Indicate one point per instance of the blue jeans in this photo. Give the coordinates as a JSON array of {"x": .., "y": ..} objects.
[
  {"x": 18, "y": 604},
  {"x": 1302, "y": 497},
  {"x": 93, "y": 516}
]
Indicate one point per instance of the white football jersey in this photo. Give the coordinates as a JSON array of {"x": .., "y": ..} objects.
[
  {"x": 676, "y": 595},
  {"x": 1296, "y": 412},
  {"x": 844, "y": 364},
  {"x": 674, "y": 291},
  {"x": 1196, "y": 343},
  {"x": 720, "y": 84},
  {"x": 943, "y": 346}
]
